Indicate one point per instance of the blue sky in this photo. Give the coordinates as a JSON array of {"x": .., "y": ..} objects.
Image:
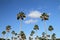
[{"x": 10, "y": 8}]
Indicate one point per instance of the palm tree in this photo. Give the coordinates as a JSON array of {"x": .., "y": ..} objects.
[
  {"x": 23, "y": 36},
  {"x": 37, "y": 38},
  {"x": 21, "y": 16},
  {"x": 32, "y": 33},
  {"x": 36, "y": 27},
  {"x": 54, "y": 36},
  {"x": 13, "y": 33},
  {"x": 8, "y": 27},
  {"x": 50, "y": 29},
  {"x": 4, "y": 32},
  {"x": 30, "y": 38},
  {"x": 43, "y": 35},
  {"x": 16, "y": 35},
  {"x": 45, "y": 17}
]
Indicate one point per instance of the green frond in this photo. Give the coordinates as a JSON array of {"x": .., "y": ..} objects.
[
  {"x": 8, "y": 27},
  {"x": 21, "y": 15},
  {"x": 36, "y": 27},
  {"x": 50, "y": 28},
  {"x": 44, "y": 16},
  {"x": 13, "y": 32},
  {"x": 4, "y": 32}
]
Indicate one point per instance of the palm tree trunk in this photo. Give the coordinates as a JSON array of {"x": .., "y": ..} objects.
[
  {"x": 31, "y": 37},
  {"x": 36, "y": 34},
  {"x": 54, "y": 38},
  {"x": 3, "y": 37},
  {"x": 23, "y": 39},
  {"x": 20, "y": 24},
  {"x": 51, "y": 35},
  {"x": 20, "y": 27},
  {"x": 45, "y": 29},
  {"x": 13, "y": 37},
  {"x": 7, "y": 36}
]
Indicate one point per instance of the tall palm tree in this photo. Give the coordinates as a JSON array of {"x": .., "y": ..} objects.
[
  {"x": 32, "y": 33},
  {"x": 43, "y": 35},
  {"x": 44, "y": 17},
  {"x": 3, "y": 32},
  {"x": 30, "y": 38},
  {"x": 23, "y": 36},
  {"x": 13, "y": 33},
  {"x": 8, "y": 27},
  {"x": 37, "y": 38},
  {"x": 54, "y": 36},
  {"x": 16, "y": 35},
  {"x": 50, "y": 29},
  {"x": 21, "y": 16},
  {"x": 36, "y": 27}
]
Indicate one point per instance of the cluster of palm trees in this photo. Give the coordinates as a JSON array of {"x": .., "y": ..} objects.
[
  {"x": 22, "y": 36},
  {"x": 36, "y": 27},
  {"x": 8, "y": 27},
  {"x": 43, "y": 16}
]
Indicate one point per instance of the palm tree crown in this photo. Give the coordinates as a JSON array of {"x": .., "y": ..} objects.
[
  {"x": 21, "y": 16},
  {"x": 50, "y": 28},
  {"x": 23, "y": 36},
  {"x": 8, "y": 27},
  {"x": 36, "y": 27},
  {"x": 43, "y": 34},
  {"x": 44, "y": 16},
  {"x": 4, "y": 32},
  {"x": 32, "y": 32},
  {"x": 13, "y": 32}
]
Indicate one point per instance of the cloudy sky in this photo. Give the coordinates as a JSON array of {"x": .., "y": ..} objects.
[{"x": 32, "y": 9}]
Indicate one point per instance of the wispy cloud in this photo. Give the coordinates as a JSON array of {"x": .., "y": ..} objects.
[
  {"x": 30, "y": 21},
  {"x": 34, "y": 14}
]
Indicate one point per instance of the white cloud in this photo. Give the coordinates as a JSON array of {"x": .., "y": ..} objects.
[
  {"x": 34, "y": 14},
  {"x": 30, "y": 21}
]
